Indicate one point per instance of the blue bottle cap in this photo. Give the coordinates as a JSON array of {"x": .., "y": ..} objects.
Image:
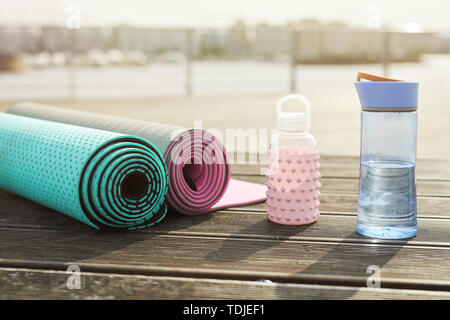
[{"x": 388, "y": 95}]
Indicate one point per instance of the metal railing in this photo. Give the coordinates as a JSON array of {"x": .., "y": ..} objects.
[{"x": 302, "y": 46}]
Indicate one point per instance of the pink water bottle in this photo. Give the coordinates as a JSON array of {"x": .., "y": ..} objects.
[{"x": 293, "y": 168}]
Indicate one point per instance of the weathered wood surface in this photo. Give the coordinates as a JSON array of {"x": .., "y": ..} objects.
[
  {"x": 50, "y": 284},
  {"x": 220, "y": 255},
  {"x": 244, "y": 224},
  {"x": 348, "y": 167},
  {"x": 338, "y": 204},
  {"x": 300, "y": 261},
  {"x": 426, "y": 188}
]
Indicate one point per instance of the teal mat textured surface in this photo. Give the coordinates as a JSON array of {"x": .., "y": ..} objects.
[{"x": 101, "y": 178}]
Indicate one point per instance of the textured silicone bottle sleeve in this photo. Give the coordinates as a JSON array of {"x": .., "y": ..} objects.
[{"x": 104, "y": 179}]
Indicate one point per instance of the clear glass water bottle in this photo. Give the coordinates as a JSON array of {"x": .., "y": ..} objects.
[{"x": 387, "y": 204}]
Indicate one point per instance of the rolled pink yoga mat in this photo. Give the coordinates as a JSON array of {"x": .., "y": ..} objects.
[{"x": 199, "y": 173}]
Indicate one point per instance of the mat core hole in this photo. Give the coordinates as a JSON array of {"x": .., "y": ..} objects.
[
  {"x": 134, "y": 186},
  {"x": 194, "y": 175}
]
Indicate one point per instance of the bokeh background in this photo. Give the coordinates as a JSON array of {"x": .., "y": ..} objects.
[{"x": 228, "y": 62}]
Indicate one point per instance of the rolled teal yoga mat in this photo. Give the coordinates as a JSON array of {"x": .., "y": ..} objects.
[{"x": 104, "y": 179}]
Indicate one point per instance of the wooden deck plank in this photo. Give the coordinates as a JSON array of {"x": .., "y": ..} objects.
[
  {"x": 22, "y": 213},
  {"x": 242, "y": 224},
  {"x": 426, "y": 188},
  {"x": 140, "y": 252},
  {"x": 19, "y": 211},
  {"x": 49, "y": 284},
  {"x": 229, "y": 224},
  {"x": 348, "y": 167},
  {"x": 347, "y": 204}
]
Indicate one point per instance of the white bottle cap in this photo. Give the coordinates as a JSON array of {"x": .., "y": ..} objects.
[{"x": 294, "y": 121}]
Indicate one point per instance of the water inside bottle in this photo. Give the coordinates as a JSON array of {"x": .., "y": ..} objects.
[{"x": 387, "y": 205}]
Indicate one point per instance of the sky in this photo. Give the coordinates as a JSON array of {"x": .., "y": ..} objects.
[{"x": 431, "y": 15}]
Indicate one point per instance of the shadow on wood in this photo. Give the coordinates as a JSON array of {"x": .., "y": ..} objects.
[
  {"x": 377, "y": 257},
  {"x": 264, "y": 227}
]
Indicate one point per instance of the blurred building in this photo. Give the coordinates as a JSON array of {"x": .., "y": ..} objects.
[
  {"x": 54, "y": 39},
  {"x": 239, "y": 40},
  {"x": 312, "y": 42},
  {"x": 149, "y": 40},
  {"x": 309, "y": 41},
  {"x": 444, "y": 43},
  {"x": 19, "y": 39},
  {"x": 270, "y": 41},
  {"x": 210, "y": 43},
  {"x": 85, "y": 39}
]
